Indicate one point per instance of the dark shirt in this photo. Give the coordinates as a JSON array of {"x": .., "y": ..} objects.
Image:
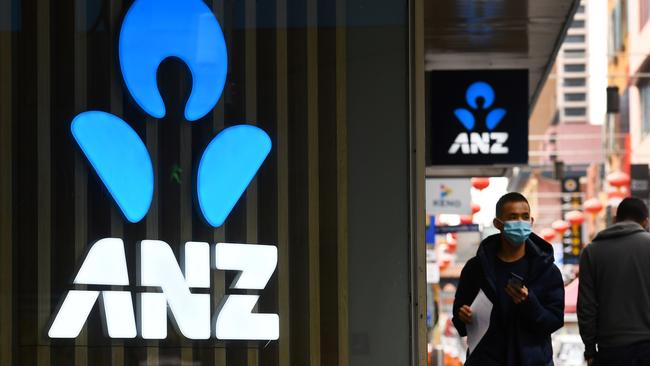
[
  {"x": 502, "y": 271},
  {"x": 506, "y": 306}
]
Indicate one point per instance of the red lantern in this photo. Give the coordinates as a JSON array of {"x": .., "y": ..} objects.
[
  {"x": 480, "y": 183},
  {"x": 451, "y": 240},
  {"x": 593, "y": 206},
  {"x": 445, "y": 260},
  {"x": 560, "y": 226},
  {"x": 475, "y": 208},
  {"x": 618, "y": 179},
  {"x": 548, "y": 234},
  {"x": 466, "y": 219},
  {"x": 575, "y": 217},
  {"x": 452, "y": 245},
  {"x": 615, "y": 194}
]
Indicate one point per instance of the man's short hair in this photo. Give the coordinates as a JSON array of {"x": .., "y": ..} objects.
[
  {"x": 508, "y": 198},
  {"x": 632, "y": 209}
]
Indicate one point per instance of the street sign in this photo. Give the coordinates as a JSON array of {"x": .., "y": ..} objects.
[
  {"x": 572, "y": 200},
  {"x": 639, "y": 185},
  {"x": 478, "y": 117},
  {"x": 457, "y": 229}
]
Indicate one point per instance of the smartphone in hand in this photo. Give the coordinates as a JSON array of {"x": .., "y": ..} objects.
[{"x": 516, "y": 280}]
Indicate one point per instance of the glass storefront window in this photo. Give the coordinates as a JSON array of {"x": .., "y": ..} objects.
[{"x": 160, "y": 105}]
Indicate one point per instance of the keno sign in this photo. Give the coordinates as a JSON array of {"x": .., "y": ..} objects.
[
  {"x": 478, "y": 117},
  {"x": 448, "y": 196}
]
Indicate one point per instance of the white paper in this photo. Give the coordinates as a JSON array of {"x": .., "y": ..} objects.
[
  {"x": 481, "y": 312},
  {"x": 433, "y": 273}
]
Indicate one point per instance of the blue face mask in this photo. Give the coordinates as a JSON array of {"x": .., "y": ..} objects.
[{"x": 517, "y": 232}]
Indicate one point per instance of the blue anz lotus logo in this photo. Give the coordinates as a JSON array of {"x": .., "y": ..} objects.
[
  {"x": 152, "y": 31},
  {"x": 480, "y": 97},
  {"x": 476, "y": 91}
]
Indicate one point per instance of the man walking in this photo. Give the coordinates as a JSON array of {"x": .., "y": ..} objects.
[
  {"x": 515, "y": 271},
  {"x": 614, "y": 290}
]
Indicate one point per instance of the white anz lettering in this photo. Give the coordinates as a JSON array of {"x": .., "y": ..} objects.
[
  {"x": 105, "y": 265},
  {"x": 480, "y": 143},
  {"x": 236, "y": 319},
  {"x": 499, "y": 138},
  {"x": 461, "y": 142},
  {"x": 158, "y": 268}
]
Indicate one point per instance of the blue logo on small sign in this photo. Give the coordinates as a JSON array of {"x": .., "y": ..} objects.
[
  {"x": 480, "y": 96},
  {"x": 154, "y": 30}
]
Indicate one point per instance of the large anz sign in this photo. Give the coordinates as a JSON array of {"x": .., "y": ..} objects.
[{"x": 152, "y": 31}]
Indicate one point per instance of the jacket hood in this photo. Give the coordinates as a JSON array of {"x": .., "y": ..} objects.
[
  {"x": 538, "y": 251},
  {"x": 619, "y": 229}
]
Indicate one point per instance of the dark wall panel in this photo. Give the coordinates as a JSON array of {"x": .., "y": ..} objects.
[
  {"x": 308, "y": 73},
  {"x": 378, "y": 141}
]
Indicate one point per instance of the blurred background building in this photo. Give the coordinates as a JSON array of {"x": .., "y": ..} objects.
[{"x": 589, "y": 145}]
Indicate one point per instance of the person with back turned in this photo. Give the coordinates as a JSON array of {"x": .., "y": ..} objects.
[
  {"x": 515, "y": 271},
  {"x": 614, "y": 290}
]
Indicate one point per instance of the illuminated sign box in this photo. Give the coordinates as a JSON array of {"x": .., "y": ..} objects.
[
  {"x": 478, "y": 117},
  {"x": 151, "y": 32}
]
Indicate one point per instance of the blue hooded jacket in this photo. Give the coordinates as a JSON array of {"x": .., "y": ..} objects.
[{"x": 531, "y": 323}]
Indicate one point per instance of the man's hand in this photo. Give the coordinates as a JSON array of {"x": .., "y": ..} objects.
[
  {"x": 465, "y": 314},
  {"x": 517, "y": 294}
]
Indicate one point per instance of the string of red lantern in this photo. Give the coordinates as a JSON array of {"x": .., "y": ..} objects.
[
  {"x": 575, "y": 217},
  {"x": 548, "y": 234},
  {"x": 466, "y": 219},
  {"x": 593, "y": 206},
  {"x": 480, "y": 183},
  {"x": 560, "y": 226},
  {"x": 618, "y": 179}
]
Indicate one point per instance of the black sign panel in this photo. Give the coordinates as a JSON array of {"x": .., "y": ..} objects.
[
  {"x": 639, "y": 182},
  {"x": 478, "y": 117},
  {"x": 571, "y": 200}
]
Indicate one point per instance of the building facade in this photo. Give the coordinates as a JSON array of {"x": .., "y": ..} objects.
[{"x": 572, "y": 70}]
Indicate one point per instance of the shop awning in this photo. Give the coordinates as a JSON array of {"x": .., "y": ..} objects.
[{"x": 487, "y": 34}]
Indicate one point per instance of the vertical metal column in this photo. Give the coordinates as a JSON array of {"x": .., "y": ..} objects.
[
  {"x": 6, "y": 196},
  {"x": 80, "y": 166},
  {"x": 417, "y": 243},
  {"x": 44, "y": 153}
]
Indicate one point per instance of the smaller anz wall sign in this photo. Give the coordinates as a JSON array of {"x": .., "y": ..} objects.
[
  {"x": 152, "y": 31},
  {"x": 478, "y": 117}
]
